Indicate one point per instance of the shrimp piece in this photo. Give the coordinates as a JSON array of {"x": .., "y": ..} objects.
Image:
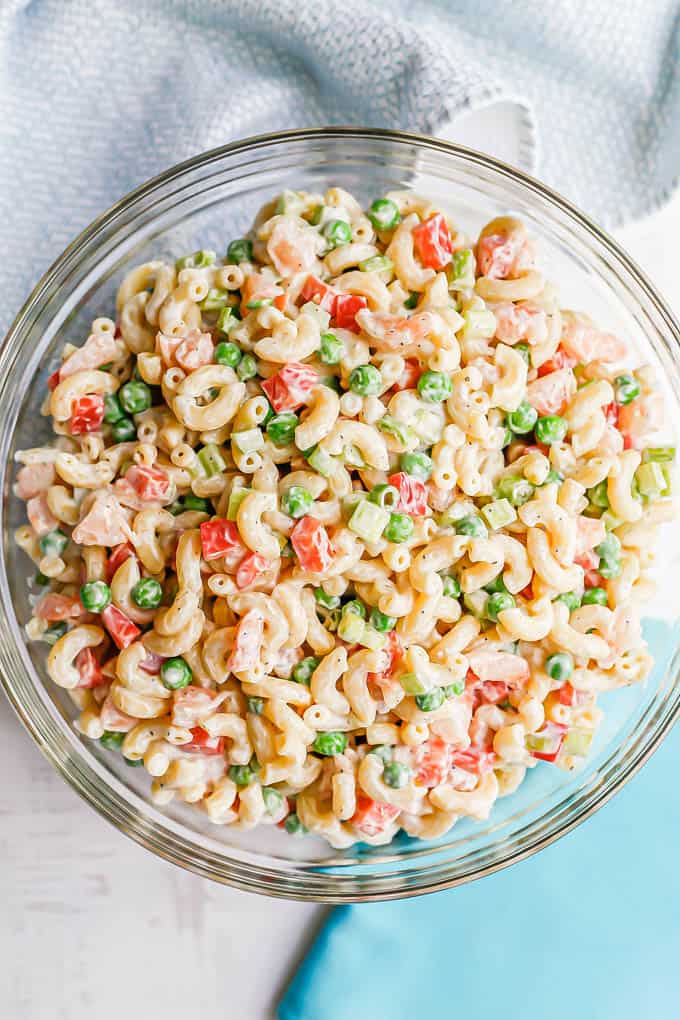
[
  {"x": 98, "y": 349},
  {"x": 585, "y": 343},
  {"x": 639, "y": 418},
  {"x": 247, "y": 642},
  {"x": 393, "y": 333},
  {"x": 192, "y": 704},
  {"x": 113, "y": 720},
  {"x": 523, "y": 321},
  {"x": 498, "y": 666},
  {"x": 53, "y": 607},
  {"x": 551, "y": 393},
  {"x": 33, "y": 479},
  {"x": 194, "y": 351},
  {"x": 39, "y": 514},
  {"x": 104, "y": 524},
  {"x": 292, "y": 248}
]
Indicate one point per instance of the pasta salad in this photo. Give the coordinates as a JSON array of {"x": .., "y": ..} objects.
[{"x": 346, "y": 530}]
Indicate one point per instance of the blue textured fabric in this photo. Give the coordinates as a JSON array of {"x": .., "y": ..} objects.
[
  {"x": 586, "y": 929},
  {"x": 98, "y": 95}
]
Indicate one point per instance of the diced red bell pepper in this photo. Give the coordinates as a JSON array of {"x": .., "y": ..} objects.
[
  {"x": 249, "y": 568},
  {"x": 149, "y": 483},
  {"x": 432, "y": 761},
  {"x": 320, "y": 293},
  {"x": 412, "y": 493},
  {"x": 556, "y": 732},
  {"x": 90, "y": 671},
  {"x": 528, "y": 592},
  {"x": 87, "y": 414},
  {"x": 280, "y": 302},
  {"x": 219, "y": 537},
  {"x": 395, "y": 651},
  {"x": 560, "y": 359},
  {"x": 410, "y": 376},
  {"x": 53, "y": 380},
  {"x": 566, "y": 694},
  {"x": 593, "y": 579},
  {"x": 476, "y": 759},
  {"x": 290, "y": 387},
  {"x": 122, "y": 630},
  {"x": 372, "y": 816},
  {"x": 119, "y": 554},
  {"x": 432, "y": 242},
  {"x": 203, "y": 742},
  {"x": 311, "y": 543},
  {"x": 611, "y": 413},
  {"x": 346, "y": 308}
]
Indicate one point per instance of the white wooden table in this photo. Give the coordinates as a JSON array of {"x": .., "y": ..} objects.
[{"x": 92, "y": 927}]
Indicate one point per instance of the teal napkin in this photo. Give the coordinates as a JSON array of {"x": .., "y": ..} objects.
[{"x": 588, "y": 929}]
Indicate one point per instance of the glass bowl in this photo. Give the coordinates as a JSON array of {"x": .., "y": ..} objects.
[{"x": 203, "y": 203}]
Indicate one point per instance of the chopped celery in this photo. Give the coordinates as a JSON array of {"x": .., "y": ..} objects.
[
  {"x": 479, "y": 322},
  {"x": 610, "y": 521},
  {"x": 318, "y": 313},
  {"x": 248, "y": 441},
  {"x": 372, "y": 639},
  {"x": 321, "y": 462},
  {"x": 351, "y": 628},
  {"x": 545, "y": 742},
  {"x": 475, "y": 602},
  {"x": 198, "y": 260},
  {"x": 290, "y": 202},
  {"x": 226, "y": 319},
  {"x": 211, "y": 459},
  {"x": 350, "y": 502},
  {"x": 578, "y": 740},
  {"x": 658, "y": 454},
  {"x": 499, "y": 513},
  {"x": 368, "y": 521},
  {"x": 651, "y": 479},
  {"x": 462, "y": 270},
  {"x": 215, "y": 299},
  {"x": 413, "y": 684},
  {"x": 236, "y": 497},
  {"x": 376, "y": 264},
  {"x": 401, "y": 432}
]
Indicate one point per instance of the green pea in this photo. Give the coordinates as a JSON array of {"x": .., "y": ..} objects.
[
  {"x": 147, "y": 593},
  {"x": 95, "y": 596},
  {"x": 330, "y": 743},
  {"x": 559, "y": 666},
  {"x": 417, "y": 464},
  {"x": 53, "y": 544},
  {"x": 626, "y": 388},
  {"x": 294, "y": 826},
  {"x": 227, "y": 354},
  {"x": 112, "y": 741},
  {"x": 455, "y": 689},
  {"x": 281, "y": 428},
  {"x": 434, "y": 386},
  {"x": 325, "y": 600},
  {"x": 383, "y": 751},
  {"x": 396, "y": 775},
  {"x": 594, "y": 597},
  {"x": 523, "y": 419},
  {"x": 386, "y": 496},
  {"x": 551, "y": 429},
  {"x": 191, "y": 502},
  {"x": 246, "y": 368},
  {"x": 356, "y": 607},
  {"x": 54, "y": 632},
  {"x": 412, "y": 300},
  {"x": 337, "y": 232},
  {"x": 41, "y": 579},
  {"x": 399, "y": 528},
  {"x": 451, "y": 587},
  {"x": 384, "y": 214},
  {"x": 331, "y": 349},
  {"x": 113, "y": 412},
  {"x": 365, "y": 380},
  {"x": 302, "y": 671},
  {"x": 296, "y": 501},
  {"x": 431, "y": 701},
  {"x": 123, "y": 431},
  {"x": 135, "y": 397},
  {"x": 240, "y": 250},
  {"x": 176, "y": 673},
  {"x": 381, "y": 621},
  {"x": 515, "y": 489},
  {"x": 571, "y": 600},
  {"x": 472, "y": 525},
  {"x": 609, "y": 552},
  {"x": 497, "y": 603},
  {"x": 255, "y": 705},
  {"x": 134, "y": 763},
  {"x": 525, "y": 351},
  {"x": 242, "y": 775}
]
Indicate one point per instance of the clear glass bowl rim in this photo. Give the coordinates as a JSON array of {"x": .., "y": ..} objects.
[{"x": 73, "y": 763}]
